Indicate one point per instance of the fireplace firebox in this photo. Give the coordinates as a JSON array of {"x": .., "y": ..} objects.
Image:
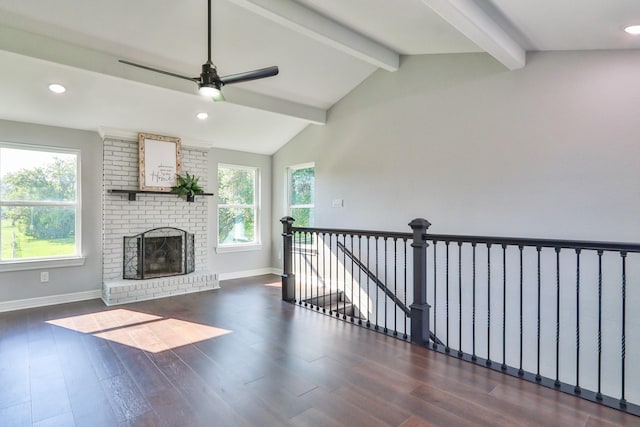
[{"x": 159, "y": 252}]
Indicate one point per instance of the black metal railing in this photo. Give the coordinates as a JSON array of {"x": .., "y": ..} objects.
[
  {"x": 554, "y": 312},
  {"x": 358, "y": 276}
]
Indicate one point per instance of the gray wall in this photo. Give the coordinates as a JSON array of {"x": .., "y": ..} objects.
[
  {"x": 26, "y": 284},
  {"x": 235, "y": 262},
  {"x": 550, "y": 150}
]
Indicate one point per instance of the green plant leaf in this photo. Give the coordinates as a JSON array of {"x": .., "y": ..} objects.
[{"x": 187, "y": 185}]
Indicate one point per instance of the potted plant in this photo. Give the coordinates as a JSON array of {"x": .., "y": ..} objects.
[{"x": 187, "y": 185}]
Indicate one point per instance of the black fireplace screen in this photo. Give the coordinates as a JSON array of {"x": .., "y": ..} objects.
[{"x": 160, "y": 252}]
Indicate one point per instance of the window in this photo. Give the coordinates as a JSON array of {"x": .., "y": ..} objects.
[
  {"x": 39, "y": 203},
  {"x": 301, "y": 194},
  {"x": 238, "y": 204}
]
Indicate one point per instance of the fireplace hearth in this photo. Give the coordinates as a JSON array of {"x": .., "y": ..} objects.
[{"x": 159, "y": 252}]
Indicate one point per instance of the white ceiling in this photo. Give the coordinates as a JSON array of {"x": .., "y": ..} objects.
[{"x": 324, "y": 49}]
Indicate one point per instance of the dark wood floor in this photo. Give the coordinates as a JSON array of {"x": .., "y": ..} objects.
[{"x": 239, "y": 356}]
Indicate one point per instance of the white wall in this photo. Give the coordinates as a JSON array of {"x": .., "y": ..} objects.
[
  {"x": 20, "y": 285},
  {"x": 232, "y": 264},
  {"x": 550, "y": 150}
]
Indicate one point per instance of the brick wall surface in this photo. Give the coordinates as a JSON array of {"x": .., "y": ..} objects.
[{"x": 122, "y": 217}]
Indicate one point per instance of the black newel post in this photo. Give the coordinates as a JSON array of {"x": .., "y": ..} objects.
[
  {"x": 419, "y": 308},
  {"x": 288, "y": 278}
]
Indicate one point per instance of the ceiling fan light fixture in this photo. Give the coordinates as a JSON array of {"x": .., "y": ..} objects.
[
  {"x": 208, "y": 90},
  {"x": 633, "y": 29}
]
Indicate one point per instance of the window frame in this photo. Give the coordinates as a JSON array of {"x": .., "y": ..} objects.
[
  {"x": 290, "y": 207},
  {"x": 68, "y": 260},
  {"x": 256, "y": 244}
]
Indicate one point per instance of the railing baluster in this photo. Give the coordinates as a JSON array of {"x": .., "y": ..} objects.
[
  {"x": 377, "y": 305},
  {"x": 435, "y": 293},
  {"x": 330, "y": 271},
  {"x": 404, "y": 335},
  {"x": 460, "y": 353},
  {"x": 538, "y": 376},
  {"x": 557, "y": 381},
  {"x": 520, "y": 370},
  {"x": 353, "y": 302},
  {"x": 344, "y": 277},
  {"x": 623, "y": 401},
  {"x": 359, "y": 282},
  {"x": 599, "y": 392},
  {"x": 310, "y": 258},
  {"x": 318, "y": 271},
  {"x": 386, "y": 282},
  {"x": 504, "y": 308},
  {"x": 577, "y": 389},
  {"x": 368, "y": 294},
  {"x": 338, "y": 295},
  {"x": 303, "y": 253},
  {"x": 488, "y": 362},
  {"x": 474, "y": 357},
  {"x": 324, "y": 276},
  {"x": 309, "y": 267},
  {"x": 300, "y": 267},
  {"x": 395, "y": 284},
  {"x": 447, "y": 348}
]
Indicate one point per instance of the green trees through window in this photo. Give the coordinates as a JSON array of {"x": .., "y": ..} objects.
[
  {"x": 302, "y": 194},
  {"x": 38, "y": 203},
  {"x": 237, "y": 205}
]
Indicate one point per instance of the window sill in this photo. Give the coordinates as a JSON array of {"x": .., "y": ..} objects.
[
  {"x": 238, "y": 248},
  {"x": 40, "y": 264}
]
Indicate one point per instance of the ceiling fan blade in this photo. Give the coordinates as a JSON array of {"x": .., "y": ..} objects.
[
  {"x": 155, "y": 70},
  {"x": 250, "y": 75}
]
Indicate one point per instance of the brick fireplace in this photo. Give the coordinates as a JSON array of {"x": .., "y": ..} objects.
[{"x": 122, "y": 217}]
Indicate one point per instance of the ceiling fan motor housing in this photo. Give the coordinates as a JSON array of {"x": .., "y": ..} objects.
[{"x": 209, "y": 76}]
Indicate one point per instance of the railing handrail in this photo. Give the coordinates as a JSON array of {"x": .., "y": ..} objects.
[
  {"x": 352, "y": 232},
  {"x": 493, "y": 240},
  {"x": 532, "y": 242}
]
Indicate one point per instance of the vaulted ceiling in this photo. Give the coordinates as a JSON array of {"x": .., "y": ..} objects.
[{"x": 324, "y": 49}]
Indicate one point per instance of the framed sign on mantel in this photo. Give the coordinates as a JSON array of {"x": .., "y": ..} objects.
[{"x": 160, "y": 161}]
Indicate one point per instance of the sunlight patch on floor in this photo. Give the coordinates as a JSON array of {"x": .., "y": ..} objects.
[
  {"x": 103, "y": 320},
  {"x": 277, "y": 284},
  {"x": 144, "y": 331}
]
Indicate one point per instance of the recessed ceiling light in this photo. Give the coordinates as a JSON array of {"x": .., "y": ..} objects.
[
  {"x": 633, "y": 29},
  {"x": 57, "y": 88},
  {"x": 202, "y": 116}
]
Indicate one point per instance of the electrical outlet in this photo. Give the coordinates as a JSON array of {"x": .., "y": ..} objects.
[
  {"x": 337, "y": 203},
  {"x": 44, "y": 277}
]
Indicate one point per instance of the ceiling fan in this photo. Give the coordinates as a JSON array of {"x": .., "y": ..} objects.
[{"x": 209, "y": 83}]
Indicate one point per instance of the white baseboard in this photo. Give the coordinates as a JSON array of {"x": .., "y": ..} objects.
[
  {"x": 21, "y": 304},
  {"x": 249, "y": 273}
]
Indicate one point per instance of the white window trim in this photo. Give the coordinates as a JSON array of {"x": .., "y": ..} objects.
[
  {"x": 73, "y": 260},
  {"x": 289, "y": 206},
  {"x": 238, "y": 247},
  {"x": 256, "y": 245},
  {"x": 42, "y": 263}
]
